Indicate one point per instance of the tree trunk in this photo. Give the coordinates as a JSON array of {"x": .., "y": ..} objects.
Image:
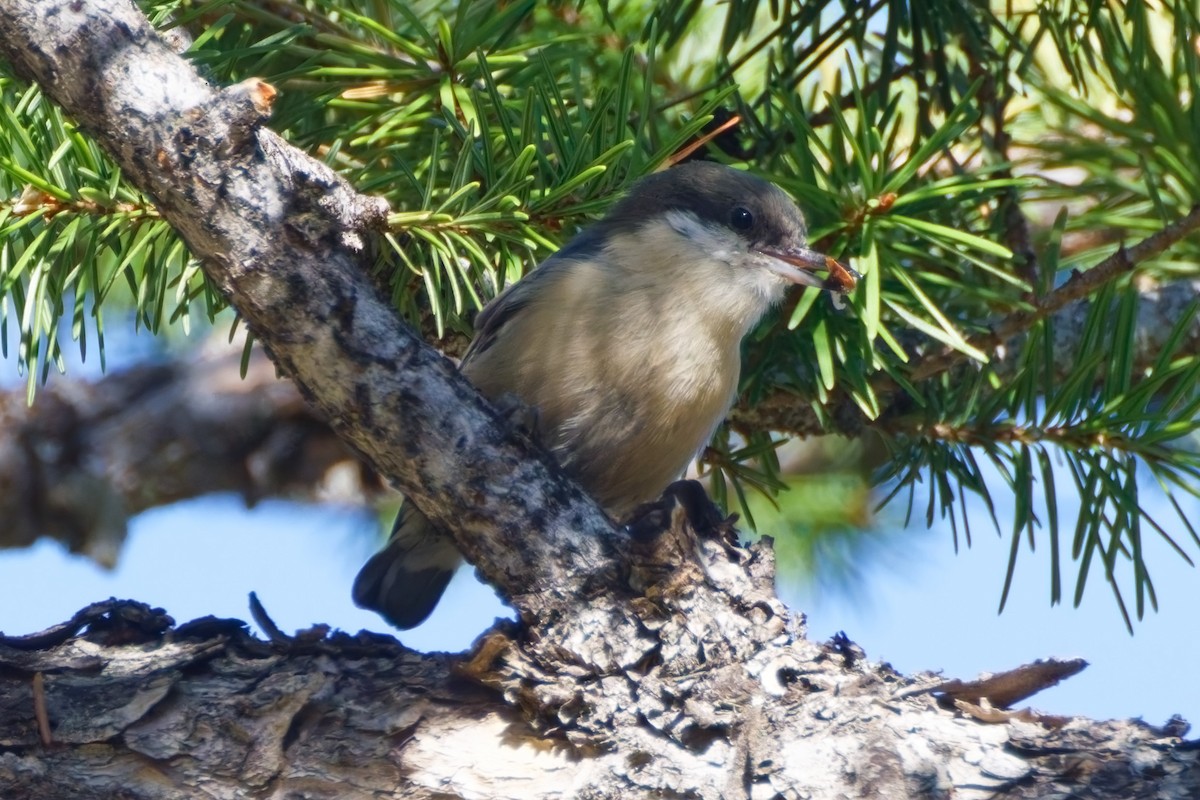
[{"x": 653, "y": 661}]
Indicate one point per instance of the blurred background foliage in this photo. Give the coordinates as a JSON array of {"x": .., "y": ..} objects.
[{"x": 981, "y": 164}]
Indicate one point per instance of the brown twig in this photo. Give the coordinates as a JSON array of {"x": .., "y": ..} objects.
[
  {"x": 994, "y": 100},
  {"x": 687, "y": 150},
  {"x": 1080, "y": 285},
  {"x": 39, "y": 709},
  {"x": 785, "y": 411},
  {"x": 1007, "y": 688},
  {"x": 36, "y": 201},
  {"x": 1069, "y": 437},
  {"x": 260, "y": 615}
]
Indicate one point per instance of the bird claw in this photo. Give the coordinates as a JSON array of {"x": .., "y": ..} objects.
[{"x": 688, "y": 497}]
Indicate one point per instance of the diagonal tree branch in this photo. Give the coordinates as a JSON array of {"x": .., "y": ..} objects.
[{"x": 283, "y": 238}]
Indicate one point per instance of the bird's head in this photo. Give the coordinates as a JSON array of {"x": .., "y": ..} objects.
[{"x": 736, "y": 229}]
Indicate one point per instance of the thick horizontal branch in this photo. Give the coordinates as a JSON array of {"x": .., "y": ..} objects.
[
  {"x": 87, "y": 455},
  {"x": 132, "y": 706}
]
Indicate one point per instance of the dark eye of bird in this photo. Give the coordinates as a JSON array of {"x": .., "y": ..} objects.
[{"x": 741, "y": 219}]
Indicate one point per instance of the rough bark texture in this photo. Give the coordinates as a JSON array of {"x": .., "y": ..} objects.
[
  {"x": 139, "y": 710},
  {"x": 657, "y": 662},
  {"x": 90, "y": 454}
]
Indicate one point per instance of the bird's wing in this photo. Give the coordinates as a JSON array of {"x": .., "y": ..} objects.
[{"x": 496, "y": 314}]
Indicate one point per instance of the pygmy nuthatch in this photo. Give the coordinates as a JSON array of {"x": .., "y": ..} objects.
[{"x": 627, "y": 342}]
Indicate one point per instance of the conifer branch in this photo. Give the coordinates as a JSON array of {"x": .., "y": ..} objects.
[{"x": 1080, "y": 285}]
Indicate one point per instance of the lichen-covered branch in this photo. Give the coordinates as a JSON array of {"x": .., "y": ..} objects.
[
  {"x": 140, "y": 709},
  {"x": 89, "y": 454}
]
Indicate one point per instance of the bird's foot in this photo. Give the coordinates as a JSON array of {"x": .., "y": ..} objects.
[
  {"x": 668, "y": 535},
  {"x": 682, "y": 502}
]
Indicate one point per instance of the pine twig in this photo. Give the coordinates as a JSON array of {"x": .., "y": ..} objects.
[
  {"x": 1080, "y": 285},
  {"x": 787, "y": 412}
]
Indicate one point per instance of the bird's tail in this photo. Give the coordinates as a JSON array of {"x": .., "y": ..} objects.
[{"x": 405, "y": 580}]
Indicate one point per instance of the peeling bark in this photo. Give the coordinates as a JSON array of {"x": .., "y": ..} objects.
[{"x": 142, "y": 710}]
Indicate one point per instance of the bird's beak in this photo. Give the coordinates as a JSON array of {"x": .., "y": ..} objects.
[{"x": 797, "y": 264}]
